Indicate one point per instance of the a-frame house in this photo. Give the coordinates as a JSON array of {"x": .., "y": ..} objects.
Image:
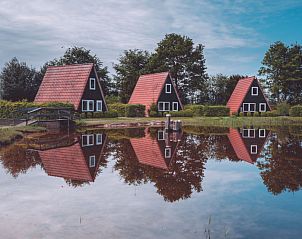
[
  {"x": 247, "y": 97},
  {"x": 77, "y": 84},
  {"x": 157, "y": 88}
]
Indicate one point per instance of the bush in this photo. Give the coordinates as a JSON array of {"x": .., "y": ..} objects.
[
  {"x": 119, "y": 107},
  {"x": 106, "y": 114},
  {"x": 249, "y": 114},
  {"x": 153, "y": 107},
  {"x": 296, "y": 111},
  {"x": 182, "y": 113},
  {"x": 283, "y": 109},
  {"x": 216, "y": 111},
  {"x": 112, "y": 99},
  {"x": 241, "y": 114},
  {"x": 272, "y": 113},
  {"x": 136, "y": 110},
  {"x": 153, "y": 113}
]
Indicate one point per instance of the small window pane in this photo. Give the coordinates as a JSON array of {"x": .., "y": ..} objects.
[
  {"x": 254, "y": 90},
  {"x": 99, "y": 139},
  {"x": 92, "y": 161},
  {"x": 92, "y": 83},
  {"x": 168, "y": 88},
  {"x": 252, "y": 108}
]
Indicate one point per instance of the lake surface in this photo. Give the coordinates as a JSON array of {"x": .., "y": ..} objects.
[{"x": 145, "y": 183}]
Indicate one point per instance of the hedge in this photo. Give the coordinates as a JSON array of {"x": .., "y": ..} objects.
[
  {"x": 296, "y": 111},
  {"x": 218, "y": 111},
  {"x": 182, "y": 113},
  {"x": 119, "y": 107},
  {"x": 10, "y": 109},
  {"x": 106, "y": 114},
  {"x": 198, "y": 110},
  {"x": 136, "y": 110}
]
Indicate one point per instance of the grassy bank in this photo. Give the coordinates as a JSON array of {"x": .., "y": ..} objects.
[
  {"x": 10, "y": 134},
  {"x": 202, "y": 121}
]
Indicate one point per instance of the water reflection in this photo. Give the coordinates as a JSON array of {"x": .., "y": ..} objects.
[{"x": 174, "y": 163}]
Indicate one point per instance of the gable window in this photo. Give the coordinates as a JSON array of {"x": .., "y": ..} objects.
[
  {"x": 163, "y": 106},
  {"x": 92, "y": 83},
  {"x": 87, "y": 140},
  {"x": 254, "y": 90},
  {"x": 175, "y": 106},
  {"x": 167, "y": 152},
  {"x": 262, "y": 107},
  {"x": 262, "y": 133},
  {"x": 87, "y": 105},
  {"x": 92, "y": 161},
  {"x": 248, "y": 133},
  {"x": 99, "y": 106},
  {"x": 98, "y": 139},
  {"x": 161, "y": 135},
  {"x": 168, "y": 88},
  {"x": 249, "y": 107},
  {"x": 254, "y": 149}
]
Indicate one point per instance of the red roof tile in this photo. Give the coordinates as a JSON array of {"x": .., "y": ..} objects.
[
  {"x": 148, "y": 89},
  {"x": 66, "y": 162},
  {"x": 239, "y": 93},
  {"x": 64, "y": 84}
]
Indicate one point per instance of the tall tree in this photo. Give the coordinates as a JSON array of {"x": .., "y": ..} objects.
[
  {"x": 81, "y": 55},
  {"x": 282, "y": 68},
  {"x": 19, "y": 81},
  {"x": 186, "y": 63},
  {"x": 131, "y": 64}
]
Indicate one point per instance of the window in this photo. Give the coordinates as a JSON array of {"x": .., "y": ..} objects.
[
  {"x": 254, "y": 90},
  {"x": 163, "y": 106},
  {"x": 92, "y": 161},
  {"x": 167, "y": 152},
  {"x": 161, "y": 135},
  {"x": 249, "y": 107},
  {"x": 248, "y": 133},
  {"x": 87, "y": 140},
  {"x": 168, "y": 88},
  {"x": 262, "y": 107},
  {"x": 99, "y": 106},
  {"x": 92, "y": 83},
  {"x": 175, "y": 106},
  {"x": 98, "y": 139},
  {"x": 254, "y": 149},
  {"x": 87, "y": 105},
  {"x": 262, "y": 133}
]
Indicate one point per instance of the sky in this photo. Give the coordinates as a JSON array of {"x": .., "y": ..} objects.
[{"x": 236, "y": 34}]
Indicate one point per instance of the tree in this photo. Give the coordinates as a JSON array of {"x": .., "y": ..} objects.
[
  {"x": 282, "y": 67},
  {"x": 19, "y": 81},
  {"x": 131, "y": 64},
  {"x": 81, "y": 55},
  {"x": 186, "y": 63}
]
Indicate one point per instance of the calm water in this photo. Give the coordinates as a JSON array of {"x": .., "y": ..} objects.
[{"x": 144, "y": 183}]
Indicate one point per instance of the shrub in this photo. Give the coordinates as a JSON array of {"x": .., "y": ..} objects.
[
  {"x": 249, "y": 114},
  {"x": 283, "y": 109},
  {"x": 198, "y": 110},
  {"x": 216, "y": 111},
  {"x": 153, "y": 107},
  {"x": 241, "y": 114},
  {"x": 296, "y": 111},
  {"x": 153, "y": 113},
  {"x": 106, "y": 114},
  {"x": 112, "y": 99},
  {"x": 272, "y": 113},
  {"x": 135, "y": 110},
  {"x": 182, "y": 113},
  {"x": 119, "y": 107}
]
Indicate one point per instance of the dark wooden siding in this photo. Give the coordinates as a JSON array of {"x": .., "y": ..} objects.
[
  {"x": 93, "y": 94},
  {"x": 260, "y": 98}
]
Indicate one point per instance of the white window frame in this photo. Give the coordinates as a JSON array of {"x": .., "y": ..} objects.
[
  {"x": 168, "y": 152},
  {"x": 87, "y": 140},
  {"x": 166, "y": 88},
  {"x": 164, "y": 106},
  {"x": 262, "y": 133},
  {"x": 173, "y": 104},
  {"x": 249, "y": 107},
  {"x": 248, "y": 133},
  {"x": 92, "y": 161},
  {"x": 98, "y": 139},
  {"x": 262, "y": 104},
  {"x": 257, "y": 90},
  {"x": 161, "y": 135},
  {"x": 253, "y": 146},
  {"x": 87, "y": 105},
  {"x": 94, "y": 83},
  {"x": 97, "y": 106}
]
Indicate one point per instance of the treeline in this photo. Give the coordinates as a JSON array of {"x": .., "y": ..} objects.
[{"x": 281, "y": 72}]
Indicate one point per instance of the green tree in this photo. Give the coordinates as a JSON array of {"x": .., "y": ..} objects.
[
  {"x": 19, "y": 81},
  {"x": 282, "y": 68},
  {"x": 81, "y": 55},
  {"x": 186, "y": 63},
  {"x": 131, "y": 64}
]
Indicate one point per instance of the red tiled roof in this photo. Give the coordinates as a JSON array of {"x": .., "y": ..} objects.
[
  {"x": 64, "y": 84},
  {"x": 239, "y": 93},
  {"x": 239, "y": 146},
  {"x": 148, "y": 89},
  {"x": 66, "y": 162},
  {"x": 148, "y": 152}
]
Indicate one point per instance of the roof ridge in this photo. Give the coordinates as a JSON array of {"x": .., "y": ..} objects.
[
  {"x": 76, "y": 64},
  {"x": 157, "y": 73}
]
